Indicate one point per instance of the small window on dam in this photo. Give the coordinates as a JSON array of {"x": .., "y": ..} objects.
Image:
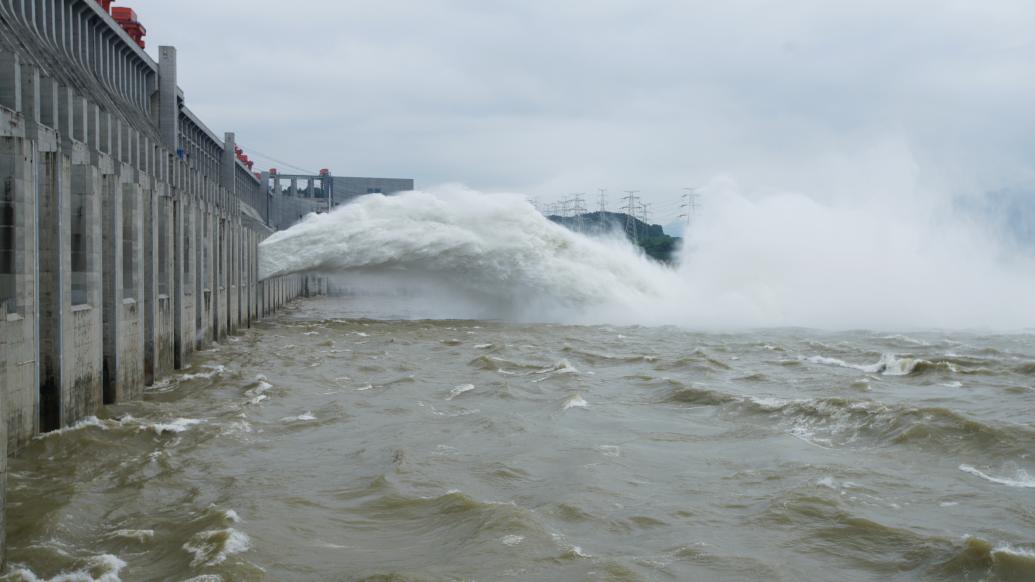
[
  {"x": 205, "y": 259},
  {"x": 221, "y": 252},
  {"x": 164, "y": 240},
  {"x": 129, "y": 245},
  {"x": 80, "y": 243},
  {"x": 8, "y": 228},
  {"x": 187, "y": 225}
]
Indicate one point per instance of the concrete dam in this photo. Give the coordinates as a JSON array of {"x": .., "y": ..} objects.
[{"x": 128, "y": 229}]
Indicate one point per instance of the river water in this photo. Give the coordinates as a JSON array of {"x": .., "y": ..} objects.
[{"x": 343, "y": 441}]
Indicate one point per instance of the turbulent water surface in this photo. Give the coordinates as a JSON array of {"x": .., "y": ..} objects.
[{"x": 335, "y": 443}]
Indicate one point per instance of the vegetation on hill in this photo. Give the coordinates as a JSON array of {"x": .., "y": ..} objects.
[{"x": 650, "y": 237}]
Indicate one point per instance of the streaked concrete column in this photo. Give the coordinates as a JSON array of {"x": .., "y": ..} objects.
[{"x": 168, "y": 100}]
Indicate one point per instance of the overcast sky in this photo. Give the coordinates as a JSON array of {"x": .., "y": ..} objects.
[{"x": 553, "y": 97}]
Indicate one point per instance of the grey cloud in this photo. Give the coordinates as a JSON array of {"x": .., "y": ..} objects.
[{"x": 556, "y": 97}]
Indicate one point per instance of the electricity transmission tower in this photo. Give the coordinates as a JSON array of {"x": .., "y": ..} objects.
[
  {"x": 645, "y": 212},
  {"x": 578, "y": 206},
  {"x": 603, "y": 201},
  {"x": 632, "y": 202},
  {"x": 689, "y": 204}
]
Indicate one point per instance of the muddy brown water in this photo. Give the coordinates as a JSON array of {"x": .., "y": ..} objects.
[{"x": 337, "y": 443}]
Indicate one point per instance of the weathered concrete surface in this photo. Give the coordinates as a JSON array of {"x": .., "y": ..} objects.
[
  {"x": 18, "y": 327},
  {"x": 128, "y": 230}
]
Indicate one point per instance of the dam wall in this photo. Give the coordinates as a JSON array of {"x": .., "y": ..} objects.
[{"x": 129, "y": 230}]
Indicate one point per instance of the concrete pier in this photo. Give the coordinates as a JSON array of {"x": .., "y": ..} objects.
[{"x": 128, "y": 230}]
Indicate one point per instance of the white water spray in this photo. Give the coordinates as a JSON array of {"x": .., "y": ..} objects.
[
  {"x": 492, "y": 248},
  {"x": 779, "y": 260}
]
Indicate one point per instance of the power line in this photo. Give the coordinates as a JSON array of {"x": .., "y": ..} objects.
[{"x": 252, "y": 150}]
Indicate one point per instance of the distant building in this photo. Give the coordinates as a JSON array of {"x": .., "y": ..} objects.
[
  {"x": 295, "y": 195},
  {"x": 347, "y": 188}
]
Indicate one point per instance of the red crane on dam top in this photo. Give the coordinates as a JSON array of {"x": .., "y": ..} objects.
[{"x": 127, "y": 19}]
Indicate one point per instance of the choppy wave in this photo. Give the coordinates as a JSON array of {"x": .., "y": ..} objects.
[
  {"x": 693, "y": 395},
  {"x": 177, "y": 425},
  {"x": 843, "y": 422},
  {"x": 212, "y": 547},
  {"x": 598, "y": 357},
  {"x": 102, "y": 568},
  {"x": 126, "y": 421},
  {"x": 894, "y": 365},
  {"x": 575, "y": 401},
  {"x": 138, "y": 535},
  {"x": 458, "y": 390},
  {"x": 825, "y": 525},
  {"x": 1021, "y": 477}
]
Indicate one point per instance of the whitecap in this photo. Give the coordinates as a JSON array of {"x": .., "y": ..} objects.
[
  {"x": 305, "y": 416},
  {"x": 575, "y": 401},
  {"x": 579, "y": 552},
  {"x": 258, "y": 394},
  {"x": 214, "y": 369},
  {"x": 175, "y": 426},
  {"x": 511, "y": 540},
  {"x": 561, "y": 367},
  {"x": 1014, "y": 551},
  {"x": 458, "y": 390},
  {"x": 213, "y": 547},
  {"x": 827, "y": 482},
  {"x": 140, "y": 535},
  {"x": 88, "y": 422},
  {"x": 105, "y": 566},
  {"x": 1023, "y": 478},
  {"x": 769, "y": 402},
  {"x": 888, "y": 365}
]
